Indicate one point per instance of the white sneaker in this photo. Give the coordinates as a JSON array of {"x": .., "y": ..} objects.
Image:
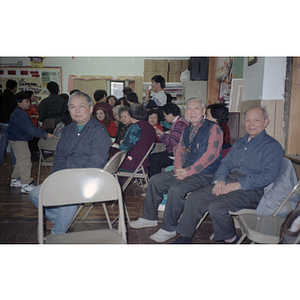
[
  {"x": 162, "y": 235},
  {"x": 15, "y": 183},
  {"x": 161, "y": 207},
  {"x": 143, "y": 223},
  {"x": 26, "y": 188}
]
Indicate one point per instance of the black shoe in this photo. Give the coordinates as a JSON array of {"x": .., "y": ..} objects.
[{"x": 183, "y": 240}]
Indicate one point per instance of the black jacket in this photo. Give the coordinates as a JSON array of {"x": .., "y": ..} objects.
[{"x": 7, "y": 105}]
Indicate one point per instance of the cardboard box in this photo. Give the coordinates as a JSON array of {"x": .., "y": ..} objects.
[
  {"x": 164, "y": 74},
  {"x": 184, "y": 65},
  {"x": 148, "y": 75},
  {"x": 175, "y": 65},
  {"x": 174, "y": 76},
  {"x": 162, "y": 65},
  {"x": 149, "y": 65}
]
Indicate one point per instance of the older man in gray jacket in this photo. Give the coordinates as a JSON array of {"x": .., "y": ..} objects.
[{"x": 83, "y": 144}]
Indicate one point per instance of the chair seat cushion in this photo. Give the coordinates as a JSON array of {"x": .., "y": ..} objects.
[
  {"x": 260, "y": 228},
  {"x": 101, "y": 236}
]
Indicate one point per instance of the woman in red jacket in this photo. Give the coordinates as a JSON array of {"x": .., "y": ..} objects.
[{"x": 102, "y": 116}]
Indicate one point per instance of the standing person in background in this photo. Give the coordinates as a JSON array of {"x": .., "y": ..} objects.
[
  {"x": 100, "y": 97},
  {"x": 7, "y": 106},
  {"x": 33, "y": 114},
  {"x": 123, "y": 100},
  {"x": 52, "y": 109},
  {"x": 20, "y": 131},
  {"x": 132, "y": 98},
  {"x": 159, "y": 97}
]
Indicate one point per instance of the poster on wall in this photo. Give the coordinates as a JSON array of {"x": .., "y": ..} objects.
[{"x": 31, "y": 79}]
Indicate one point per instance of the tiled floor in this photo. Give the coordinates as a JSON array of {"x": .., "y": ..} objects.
[{"x": 18, "y": 216}]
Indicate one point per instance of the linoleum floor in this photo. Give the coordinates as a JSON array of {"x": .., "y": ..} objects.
[{"x": 18, "y": 215}]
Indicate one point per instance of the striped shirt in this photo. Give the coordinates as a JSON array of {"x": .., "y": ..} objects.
[{"x": 215, "y": 142}]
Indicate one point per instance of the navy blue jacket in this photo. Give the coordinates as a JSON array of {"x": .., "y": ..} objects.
[{"x": 21, "y": 128}]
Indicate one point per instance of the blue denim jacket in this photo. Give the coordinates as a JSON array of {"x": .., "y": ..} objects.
[{"x": 259, "y": 160}]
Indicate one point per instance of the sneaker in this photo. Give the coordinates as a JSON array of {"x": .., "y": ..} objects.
[
  {"x": 26, "y": 188},
  {"x": 161, "y": 207},
  {"x": 15, "y": 183},
  {"x": 162, "y": 235},
  {"x": 143, "y": 223}
]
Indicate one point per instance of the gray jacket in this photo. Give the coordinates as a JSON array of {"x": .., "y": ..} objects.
[{"x": 87, "y": 148}]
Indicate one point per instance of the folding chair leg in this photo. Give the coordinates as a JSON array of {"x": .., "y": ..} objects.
[
  {"x": 76, "y": 214},
  {"x": 91, "y": 207},
  {"x": 107, "y": 215},
  {"x": 242, "y": 238}
]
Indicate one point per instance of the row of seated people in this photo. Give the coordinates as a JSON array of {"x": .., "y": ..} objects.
[
  {"x": 201, "y": 180},
  {"x": 132, "y": 118}
]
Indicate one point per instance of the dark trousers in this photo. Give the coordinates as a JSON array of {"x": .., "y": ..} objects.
[
  {"x": 158, "y": 161},
  {"x": 167, "y": 183},
  {"x": 203, "y": 200}
]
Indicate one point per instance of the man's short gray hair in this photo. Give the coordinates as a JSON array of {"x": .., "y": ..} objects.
[
  {"x": 81, "y": 94},
  {"x": 263, "y": 109},
  {"x": 196, "y": 99}
]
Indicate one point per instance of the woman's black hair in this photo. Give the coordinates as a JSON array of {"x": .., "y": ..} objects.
[
  {"x": 132, "y": 97},
  {"x": 171, "y": 108},
  {"x": 219, "y": 111}
]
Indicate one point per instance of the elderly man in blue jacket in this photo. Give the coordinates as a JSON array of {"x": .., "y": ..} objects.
[
  {"x": 83, "y": 144},
  {"x": 252, "y": 163}
]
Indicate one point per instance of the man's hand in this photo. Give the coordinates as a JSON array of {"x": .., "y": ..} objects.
[
  {"x": 50, "y": 136},
  {"x": 181, "y": 174},
  {"x": 218, "y": 188},
  {"x": 221, "y": 188}
]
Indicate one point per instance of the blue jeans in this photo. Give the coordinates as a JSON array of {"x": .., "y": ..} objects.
[
  {"x": 60, "y": 216},
  {"x": 4, "y": 144}
]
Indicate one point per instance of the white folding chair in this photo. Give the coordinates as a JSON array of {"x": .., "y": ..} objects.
[
  {"x": 111, "y": 167},
  {"x": 74, "y": 186},
  {"x": 46, "y": 145},
  {"x": 263, "y": 229},
  {"x": 139, "y": 173}
]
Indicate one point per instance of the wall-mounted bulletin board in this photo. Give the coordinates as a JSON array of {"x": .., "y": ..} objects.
[{"x": 31, "y": 79}]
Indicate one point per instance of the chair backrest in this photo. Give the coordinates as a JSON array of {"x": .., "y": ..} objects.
[
  {"x": 74, "y": 186},
  {"x": 140, "y": 165},
  {"x": 274, "y": 201},
  {"x": 82, "y": 185},
  {"x": 49, "y": 144},
  {"x": 115, "y": 162}
]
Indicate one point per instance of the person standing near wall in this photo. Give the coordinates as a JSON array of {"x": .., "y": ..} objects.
[
  {"x": 7, "y": 106},
  {"x": 52, "y": 109}
]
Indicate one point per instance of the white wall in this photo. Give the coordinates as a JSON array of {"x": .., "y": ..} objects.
[
  {"x": 253, "y": 79},
  {"x": 274, "y": 78},
  {"x": 265, "y": 79},
  {"x": 108, "y": 66}
]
